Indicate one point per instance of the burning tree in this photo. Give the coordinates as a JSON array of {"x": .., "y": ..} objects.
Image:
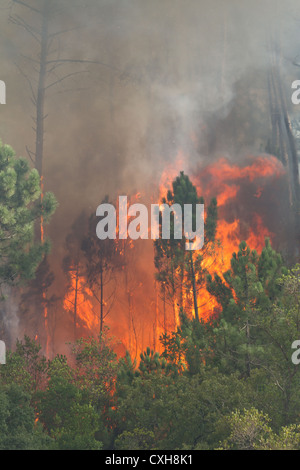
[
  {"x": 74, "y": 267},
  {"x": 131, "y": 284},
  {"x": 103, "y": 260},
  {"x": 180, "y": 272}
]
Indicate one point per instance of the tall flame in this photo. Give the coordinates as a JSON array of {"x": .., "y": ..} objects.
[{"x": 225, "y": 181}]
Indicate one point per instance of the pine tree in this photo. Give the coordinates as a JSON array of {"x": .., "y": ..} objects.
[
  {"x": 246, "y": 292},
  {"x": 180, "y": 271},
  {"x": 19, "y": 190},
  {"x": 102, "y": 262}
]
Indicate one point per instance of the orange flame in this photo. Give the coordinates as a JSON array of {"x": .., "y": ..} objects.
[
  {"x": 78, "y": 302},
  {"x": 222, "y": 180}
]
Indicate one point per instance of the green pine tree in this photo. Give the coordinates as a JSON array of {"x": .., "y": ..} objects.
[
  {"x": 246, "y": 293},
  {"x": 180, "y": 271},
  {"x": 19, "y": 209}
]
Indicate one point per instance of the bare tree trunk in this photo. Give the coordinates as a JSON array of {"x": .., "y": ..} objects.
[
  {"x": 194, "y": 288},
  {"x": 101, "y": 301},
  {"x": 165, "y": 318},
  {"x": 129, "y": 301},
  {"x": 155, "y": 325},
  {"x": 75, "y": 302},
  {"x": 40, "y": 102}
]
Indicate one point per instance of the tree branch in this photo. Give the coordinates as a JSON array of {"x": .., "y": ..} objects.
[
  {"x": 64, "y": 78},
  {"x": 27, "y": 6}
]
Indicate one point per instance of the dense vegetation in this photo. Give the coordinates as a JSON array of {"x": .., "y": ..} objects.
[{"x": 229, "y": 383}]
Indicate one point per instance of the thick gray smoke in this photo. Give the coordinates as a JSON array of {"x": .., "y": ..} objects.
[
  {"x": 171, "y": 76},
  {"x": 174, "y": 75}
]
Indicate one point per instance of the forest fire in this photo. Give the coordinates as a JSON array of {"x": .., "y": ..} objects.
[
  {"x": 238, "y": 190},
  {"x": 149, "y": 227},
  {"x": 78, "y": 301},
  {"x": 227, "y": 182}
]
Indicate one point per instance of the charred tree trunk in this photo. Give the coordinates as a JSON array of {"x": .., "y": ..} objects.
[
  {"x": 76, "y": 302},
  {"x": 165, "y": 318},
  {"x": 101, "y": 301},
  {"x": 40, "y": 101},
  {"x": 194, "y": 287}
]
